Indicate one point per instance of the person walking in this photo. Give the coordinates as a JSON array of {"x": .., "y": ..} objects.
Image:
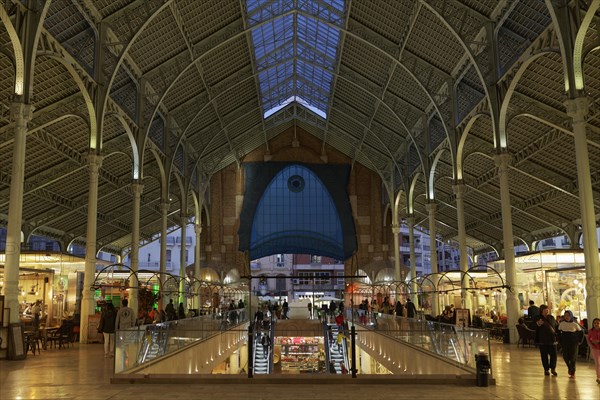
[
  {"x": 343, "y": 369},
  {"x": 545, "y": 337},
  {"x": 36, "y": 310},
  {"x": 286, "y": 309},
  {"x": 399, "y": 309},
  {"x": 170, "y": 311},
  {"x": 180, "y": 311},
  {"x": 533, "y": 311},
  {"x": 108, "y": 319},
  {"x": 411, "y": 310},
  {"x": 266, "y": 344},
  {"x": 362, "y": 313},
  {"x": 570, "y": 335},
  {"x": 232, "y": 313},
  {"x": 330, "y": 334},
  {"x": 340, "y": 340},
  {"x": 332, "y": 368},
  {"x": 258, "y": 319},
  {"x": 154, "y": 315},
  {"x": 339, "y": 322},
  {"x": 241, "y": 310},
  {"x": 593, "y": 338},
  {"x": 125, "y": 317}
]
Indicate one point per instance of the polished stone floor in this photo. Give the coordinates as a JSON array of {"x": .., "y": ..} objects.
[{"x": 81, "y": 372}]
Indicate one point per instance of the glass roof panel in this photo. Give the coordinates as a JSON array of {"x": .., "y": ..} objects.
[
  {"x": 312, "y": 55},
  {"x": 263, "y": 10},
  {"x": 295, "y": 49}
]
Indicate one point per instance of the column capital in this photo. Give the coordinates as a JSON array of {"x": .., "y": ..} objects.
[
  {"x": 198, "y": 229},
  {"x": 592, "y": 284},
  {"x": 164, "y": 206},
  {"x": 431, "y": 207},
  {"x": 94, "y": 160},
  {"x": 395, "y": 229},
  {"x": 459, "y": 188},
  {"x": 183, "y": 218},
  {"x": 21, "y": 111},
  {"x": 577, "y": 108},
  {"x": 137, "y": 187},
  {"x": 503, "y": 160}
]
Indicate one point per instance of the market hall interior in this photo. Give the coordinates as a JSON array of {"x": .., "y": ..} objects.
[
  {"x": 81, "y": 373},
  {"x": 475, "y": 122}
]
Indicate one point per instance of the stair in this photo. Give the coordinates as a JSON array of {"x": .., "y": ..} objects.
[
  {"x": 153, "y": 346},
  {"x": 336, "y": 355},
  {"x": 261, "y": 361}
]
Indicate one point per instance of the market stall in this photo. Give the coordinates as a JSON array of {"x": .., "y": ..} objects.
[{"x": 553, "y": 277}]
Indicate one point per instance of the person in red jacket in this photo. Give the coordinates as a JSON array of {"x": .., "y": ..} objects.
[
  {"x": 339, "y": 321},
  {"x": 343, "y": 368}
]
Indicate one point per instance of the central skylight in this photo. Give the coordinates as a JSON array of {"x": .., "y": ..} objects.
[{"x": 295, "y": 49}]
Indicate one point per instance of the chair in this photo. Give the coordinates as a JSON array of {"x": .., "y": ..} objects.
[
  {"x": 526, "y": 335},
  {"x": 32, "y": 341},
  {"x": 62, "y": 335},
  {"x": 75, "y": 333},
  {"x": 477, "y": 322}
]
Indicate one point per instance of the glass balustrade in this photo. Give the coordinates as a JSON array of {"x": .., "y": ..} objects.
[
  {"x": 142, "y": 344},
  {"x": 456, "y": 343}
]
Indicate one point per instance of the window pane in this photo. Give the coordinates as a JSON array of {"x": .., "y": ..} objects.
[{"x": 296, "y": 50}]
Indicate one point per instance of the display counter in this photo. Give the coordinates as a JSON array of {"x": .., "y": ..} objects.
[{"x": 299, "y": 354}]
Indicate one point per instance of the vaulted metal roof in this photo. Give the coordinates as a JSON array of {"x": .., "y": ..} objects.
[{"x": 388, "y": 83}]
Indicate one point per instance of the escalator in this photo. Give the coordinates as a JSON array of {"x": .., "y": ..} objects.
[
  {"x": 443, "y": 341},
  {"x": 154, "y": 343},
  {"x": 336, "y": 353},
  {"x": 263, "y": 349},
  {"x": 262, "y": 356}
]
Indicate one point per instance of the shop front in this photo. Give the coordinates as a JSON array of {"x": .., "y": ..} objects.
[
  {"x": 556, "y": 278},
  {"x": 35, "y": 286},
  {"x": 299, "y": 354},
  {"x": 53, "y": 278}
]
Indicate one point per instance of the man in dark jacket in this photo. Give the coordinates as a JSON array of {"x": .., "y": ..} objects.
[
  {"x": 411, "y": 310},
  {"x": 533, "y": 311},
  {"x": 286, "y": 309},
  {"x": 170, "y": 311},
  {"x": 545, "y": 337},
  {"x": 258, "y": 318}
]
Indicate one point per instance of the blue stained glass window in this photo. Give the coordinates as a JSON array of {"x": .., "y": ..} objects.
[
  {"x": 297, "y": 212},
  {"x": 295, "y": 49}
]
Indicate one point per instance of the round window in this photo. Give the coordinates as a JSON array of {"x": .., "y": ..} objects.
[{"x": 296, "y": 183}]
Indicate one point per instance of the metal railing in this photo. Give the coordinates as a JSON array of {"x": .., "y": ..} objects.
[
  {"x": 137, "y": 346},
  {"x": 144, "y": 343},
  {"x": 456, "y": 343}
]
